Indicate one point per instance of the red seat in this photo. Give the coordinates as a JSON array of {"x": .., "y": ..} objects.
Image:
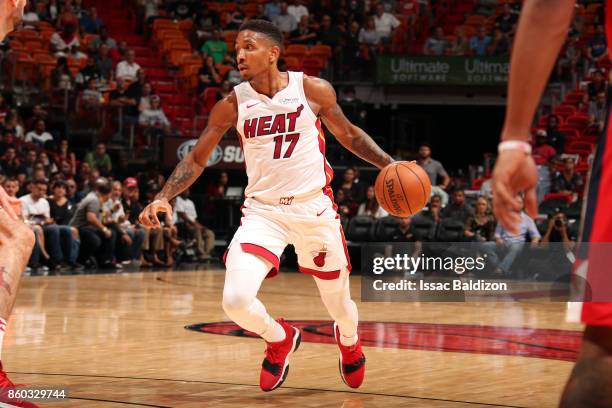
[
  {"x": 209, "y": 97},
  {"x": 579, "y": 147},
  {"x": 578, "y": 121},
  {"x": 559, "y": 196},
  {"x": 312, "y": 66}
]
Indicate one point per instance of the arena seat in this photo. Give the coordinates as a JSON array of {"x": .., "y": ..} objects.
[
  {"x": 360, "y": 229},
  {"x": 209, "y": 97},
  {"x": 385, "y": 228},
  {"x": 450, "y": 230},
  {"x": 550, "y": 206},
  {"x": 422, "y": 228},
  {"x": 558, "y": 196}
]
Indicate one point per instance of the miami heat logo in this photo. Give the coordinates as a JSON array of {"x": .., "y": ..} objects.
[{"x": 319, "y": 258}]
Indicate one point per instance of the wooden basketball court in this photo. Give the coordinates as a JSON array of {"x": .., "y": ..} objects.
[{"x": 119, "y": 340}]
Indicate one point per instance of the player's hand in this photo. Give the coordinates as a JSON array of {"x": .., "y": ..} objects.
[
  {"x": 514, "y": 172},
  {"x": 148, "y": 216},
  {"x": 13, "y": 231}
]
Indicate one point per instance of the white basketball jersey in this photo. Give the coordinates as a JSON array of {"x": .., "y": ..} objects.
[{"x": 284, "y": 146}]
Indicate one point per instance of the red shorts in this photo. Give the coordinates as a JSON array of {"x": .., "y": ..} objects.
[{"x": 597, "y": 235}]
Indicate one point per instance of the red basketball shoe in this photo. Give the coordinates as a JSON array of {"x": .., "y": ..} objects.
[
  {"x": 6, "y": 386},
  {"x": 275, "y": 366},
  {"x": 352, "y": 361}
]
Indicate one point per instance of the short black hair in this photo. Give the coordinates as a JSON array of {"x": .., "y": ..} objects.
[
  {"x": 102, "y": 185},
  {"x": 264, "y": 27}
]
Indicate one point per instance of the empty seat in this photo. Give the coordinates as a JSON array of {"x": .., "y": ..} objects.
[
  {"x": 450, "y": 230},
  {"x": 385, "y": 228},
  {"x": 360, "y": 229}
]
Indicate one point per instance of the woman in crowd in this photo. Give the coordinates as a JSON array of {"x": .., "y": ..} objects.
[
  {"x": 481, "y": 226},
  {"x": 370, "y": 207}
]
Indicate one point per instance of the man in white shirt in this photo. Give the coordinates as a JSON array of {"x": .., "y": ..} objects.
[
  {"x": 128, "y": 69},
  {"x": 298, "y": 10},
  {"x": 39, "y": 135},
  {"x": 187, "y": 221},
  {"x": 285, "y": 21},
  {"x": 385, "y": 22},
  {"x": 36, "y": 211},
  {"x": 130, "y": 246}
]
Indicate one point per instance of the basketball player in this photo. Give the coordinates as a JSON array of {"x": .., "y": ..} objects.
[
  {"x": 16, "y": 239},
  {"x": 288, "y": 199},
  {"x": 542, "y": 30}
]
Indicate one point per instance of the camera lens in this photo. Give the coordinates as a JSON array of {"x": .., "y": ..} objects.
[{"x": 558, "y": 223}]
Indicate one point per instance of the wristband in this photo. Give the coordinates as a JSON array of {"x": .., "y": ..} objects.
[{"x": 519, "y": 145}]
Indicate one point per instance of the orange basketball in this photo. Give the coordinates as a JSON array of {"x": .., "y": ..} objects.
[{"x": 402, "y": 188}]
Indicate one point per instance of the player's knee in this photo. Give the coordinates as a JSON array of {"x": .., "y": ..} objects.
[{"x": 235, "y": 301}]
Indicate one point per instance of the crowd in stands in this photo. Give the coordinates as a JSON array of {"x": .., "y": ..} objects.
[{"x": 84, "y": 210}]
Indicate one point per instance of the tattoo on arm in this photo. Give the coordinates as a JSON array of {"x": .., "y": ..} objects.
[
  {"x": 183, "y": 176},
  {"x": 3, "y": 283}
]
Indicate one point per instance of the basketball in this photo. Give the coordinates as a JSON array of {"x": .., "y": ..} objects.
[{"x": 402, "y": 188}]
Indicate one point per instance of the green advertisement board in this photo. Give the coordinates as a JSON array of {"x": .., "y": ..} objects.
[{"x": 433, "y": 70}]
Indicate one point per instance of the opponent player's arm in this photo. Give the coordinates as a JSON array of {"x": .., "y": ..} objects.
[
  {"x": 322, "y": 95},
  {"x": 222, "y": 117},
  {"x": 541, "y": 32}
]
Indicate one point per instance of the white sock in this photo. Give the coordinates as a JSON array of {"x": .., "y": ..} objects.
[
  {"x": 2, "y": 330},
  {"x": 348, "y": 340},
  {"x": 274, "y": 332}
]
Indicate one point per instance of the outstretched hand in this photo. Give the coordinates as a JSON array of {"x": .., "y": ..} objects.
[
  {"x": 514, "y": 172},
  {"x": 148, "y": 216}
]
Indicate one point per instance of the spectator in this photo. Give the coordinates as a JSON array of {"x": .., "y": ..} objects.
[
  {"x": 61, "y": 211},
  {"x": 303, "y": 34},
  {"x": 351, "y": 49},
  {"x": 350, "y": 184},
  {"x": 500, "y": 46},
  {"x": 437, "y": 175},
  {"x": 89, "y": 71},
  {"x": 285, "y": 21},
  {"x": 328, "y": 34},
  {"x": 597, "y": 111},
  {"x": 597, "y": 49},
  {"x": 298, "y": 10},
  {"x": 597, "y": 84},
  {"x": 30, "y": 18},
  {"x": 27, "y": 167},
  {"x": 261, "y": 13},
  {"x": 216, "y": 48},
  {"x": 369, "y": 37},
  {"x": 39, "y": 135},
  {"x": 128, "y": 68},
  {"x": 557, "y": 231},
  {"x": 347, "y": 207},
  {"x": 208, "y": 75},
  {"x": 121, "y": 98},
  {"x": 481, "y": 225},
  {"x": 567, "y": 181},
  {"x": 10, "y": 163},
  {"x": 542, "y": 151},
  {"x": 104, "y": 63},
  {"x": 206, "y": 21},
  {"x": 433, "y": 211},
  {"x": 154, "y": 119},
  {"x": 11, "y": 123},
  {"x": 272, "y": 9},
  {"x": 97, "y": 241},
  {"x": 506, "y": 20},
  {"x": 458, "y": 209},
  {"x": 385, "y": 22},
  {"x": 570, "y": 60},
  {"x": 91, "y": 97},
  {"x": 218, "y": 189},
  {"x": 91, "y": 22},
  {"x": 436, "y": 44},
  {"x": 129, "y": 236},
  {"x": 403, "y": 231},
  {"x": 99, "y": 159},
  {"x": 36, "y": 211},
  {"x": 144, "y": 101},
  {"x": 63, "y": 41},
  {"x": 119, "y": 53},
  {"x": 555, "y": 137},
  {"x": 188, "y": 225},
  {"x": 461, "y": 43},
  {"x": 44, "y": 160},
  {"x": 234, "y": 19},
  {"x": 65, "y": 155},
  {"x": 370, "y": 207},
  {"x": 71, "y": 192},
  {"x": 61, "y": 77},
  {"x": 511, "y": 245},
  {"x": 480, "y": 42}
]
